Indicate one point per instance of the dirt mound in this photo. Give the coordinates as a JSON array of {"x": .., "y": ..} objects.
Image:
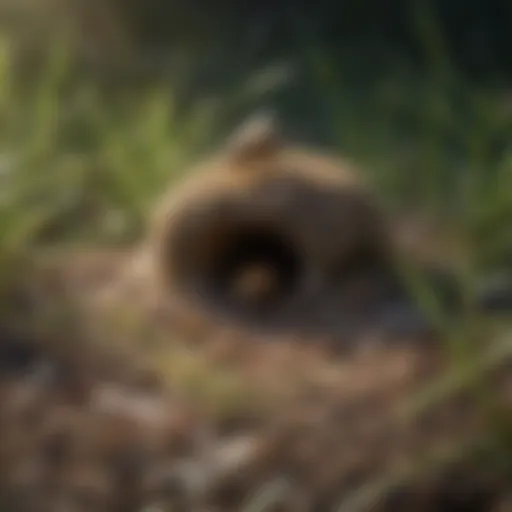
[{"x": 276, "y": 236}]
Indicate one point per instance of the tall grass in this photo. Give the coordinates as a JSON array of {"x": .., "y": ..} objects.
[{"x": 76, "y": 162}]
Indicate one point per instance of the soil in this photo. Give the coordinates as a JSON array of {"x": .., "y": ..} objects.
[{"x": 238, "y": 421}]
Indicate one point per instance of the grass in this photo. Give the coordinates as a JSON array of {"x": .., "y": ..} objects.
[{"x": 78, "y": 167}]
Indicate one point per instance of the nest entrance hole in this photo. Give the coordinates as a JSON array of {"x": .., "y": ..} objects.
[{"x": 249, "y": 266}]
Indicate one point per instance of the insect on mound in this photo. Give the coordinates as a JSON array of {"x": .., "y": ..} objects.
[{"x": 263, "y": 231}]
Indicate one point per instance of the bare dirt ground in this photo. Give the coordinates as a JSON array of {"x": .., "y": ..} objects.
[{"x": 222, "y": 420}]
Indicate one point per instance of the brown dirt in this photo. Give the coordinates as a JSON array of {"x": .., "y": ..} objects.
[{"x": 237, "y": 420}]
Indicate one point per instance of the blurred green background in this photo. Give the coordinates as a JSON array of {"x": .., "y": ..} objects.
[{"x": 104, "y": 101}]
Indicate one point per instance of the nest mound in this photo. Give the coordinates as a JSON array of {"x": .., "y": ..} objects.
[{"x": 275, "y": 236}]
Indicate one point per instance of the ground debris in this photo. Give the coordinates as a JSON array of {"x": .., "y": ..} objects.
[{"x": 86, "y": 431}]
